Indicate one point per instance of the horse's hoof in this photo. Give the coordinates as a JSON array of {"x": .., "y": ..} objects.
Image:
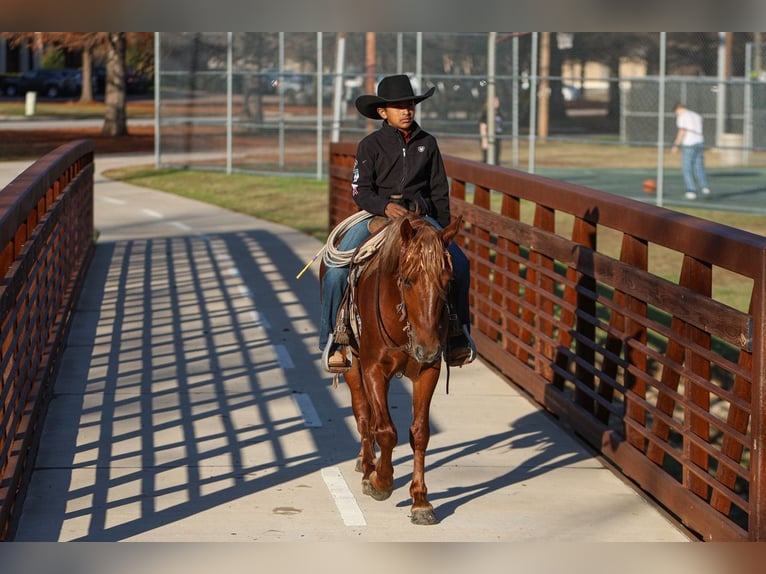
[
  {"x": 370, "y": 490},
  {"x": 423, "y": 516}
]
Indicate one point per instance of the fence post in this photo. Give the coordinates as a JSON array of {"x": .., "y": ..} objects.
[{"x": 757, "y": 524}]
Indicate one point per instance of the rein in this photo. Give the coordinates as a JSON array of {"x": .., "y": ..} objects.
[{"x": 388, "y": 340}]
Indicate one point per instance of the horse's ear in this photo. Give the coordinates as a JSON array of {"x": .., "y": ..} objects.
[
  {"x": 406, "y": 230},
  {"x": 449, "y": 232}
]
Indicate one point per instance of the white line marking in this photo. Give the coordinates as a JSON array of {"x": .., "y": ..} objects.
[
  {"x": 180, "y": 225},
  {"x": 344, "y": 499},
  {"x": 152, "y": 213},
  {"x": 260, "y": 320},
  {"x": 308, "y": 412},
  {"x": 113, "y": 200},
  {"x": 246, "y": 292},
  {"x": 283, "y": 357}
]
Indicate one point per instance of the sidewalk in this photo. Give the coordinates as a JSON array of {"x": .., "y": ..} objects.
[{"x": 191, "y": 406}]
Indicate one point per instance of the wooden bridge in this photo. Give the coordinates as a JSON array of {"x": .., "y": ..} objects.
[{"x": 660, "y": 377}]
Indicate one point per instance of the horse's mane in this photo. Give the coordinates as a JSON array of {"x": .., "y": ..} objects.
[{"x": 425, "y": 254}]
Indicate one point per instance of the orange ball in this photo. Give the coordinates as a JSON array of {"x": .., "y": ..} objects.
[{"x": 650, "y": 186}]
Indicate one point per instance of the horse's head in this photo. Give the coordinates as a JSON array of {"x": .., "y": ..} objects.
[{"x": 424, "y": 273}]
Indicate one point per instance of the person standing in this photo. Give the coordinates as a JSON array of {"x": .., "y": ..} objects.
[
  {"x": 692, "y": 143},
  {"x": 484, "y": 131}
]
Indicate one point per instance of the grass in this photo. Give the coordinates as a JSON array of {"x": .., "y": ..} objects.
[
  {"x": 728, "y": 288},
  {"x": 300, "y": 203},
  {"x": 143, "y": 108}
]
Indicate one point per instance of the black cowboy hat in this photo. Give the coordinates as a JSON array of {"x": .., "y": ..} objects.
[{"x": 391, "y": 89}]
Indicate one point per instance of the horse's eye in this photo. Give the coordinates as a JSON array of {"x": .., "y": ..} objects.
[{"x": 408, "y": 283}]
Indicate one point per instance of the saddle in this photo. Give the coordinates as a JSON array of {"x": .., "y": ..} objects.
[{"x": 346, "y": 331}]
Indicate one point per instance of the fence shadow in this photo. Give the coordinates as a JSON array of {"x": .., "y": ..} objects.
[{"x": 177, "y": 394}]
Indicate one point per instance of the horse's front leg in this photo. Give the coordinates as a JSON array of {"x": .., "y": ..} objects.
[
  {"x": 360, "y": 405},
  {"x": 380, "y": 483},
  {"x": 420, "y": 433}
]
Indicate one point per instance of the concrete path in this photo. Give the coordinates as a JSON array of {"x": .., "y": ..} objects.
[{"x": 191, "y": 406}]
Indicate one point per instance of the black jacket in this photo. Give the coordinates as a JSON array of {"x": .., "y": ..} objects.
[{"x": 385, "y": 165}]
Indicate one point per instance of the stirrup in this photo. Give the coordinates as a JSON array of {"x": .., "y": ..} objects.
[
  {"x": 471, "y": 345},
  {"x": 329, "y": 348},
  {"x": 469, "y": 354}
]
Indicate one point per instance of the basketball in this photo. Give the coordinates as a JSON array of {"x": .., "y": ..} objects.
[{"x": 650, "y": 186}]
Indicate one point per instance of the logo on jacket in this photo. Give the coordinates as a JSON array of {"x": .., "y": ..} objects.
[
  {"x": 355, "y": 180},
  {"x": 421, "y": 148}
]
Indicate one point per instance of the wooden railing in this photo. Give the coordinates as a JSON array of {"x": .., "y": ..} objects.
[
  {"x": 46, "y": 242},
  {"x": 662, "y": 378}
]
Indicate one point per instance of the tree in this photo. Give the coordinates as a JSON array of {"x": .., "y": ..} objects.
[
  {"x": 112, "y": 46},
  {"x": 115, "y": 115}
]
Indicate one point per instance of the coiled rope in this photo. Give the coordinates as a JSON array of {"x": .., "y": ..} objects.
[{"x": 334, "y": 257}]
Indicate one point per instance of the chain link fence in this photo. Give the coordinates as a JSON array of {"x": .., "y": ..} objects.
[{"x": 270, "y": 102}]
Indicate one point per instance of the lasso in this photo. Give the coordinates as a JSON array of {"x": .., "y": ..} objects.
[{"x": 331, "y": 255}]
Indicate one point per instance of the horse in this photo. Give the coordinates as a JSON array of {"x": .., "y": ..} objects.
[{"x": 400, "y": 305}]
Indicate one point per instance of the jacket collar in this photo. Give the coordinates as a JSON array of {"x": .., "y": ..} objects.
[{"x": 388, "y": 128}]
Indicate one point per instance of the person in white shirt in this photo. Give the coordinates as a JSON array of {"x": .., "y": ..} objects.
[
  {"x": 484, "y": 133},
  {"x": 692, "y": 143}
]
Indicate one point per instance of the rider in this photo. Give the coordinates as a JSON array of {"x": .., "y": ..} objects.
[{"x": 398, "y": 168}]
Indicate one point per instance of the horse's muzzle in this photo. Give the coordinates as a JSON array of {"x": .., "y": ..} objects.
[{"x": 423, "y": 355}]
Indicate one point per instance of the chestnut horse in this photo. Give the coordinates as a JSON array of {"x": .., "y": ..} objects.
[{"x": 400, "y": 301}]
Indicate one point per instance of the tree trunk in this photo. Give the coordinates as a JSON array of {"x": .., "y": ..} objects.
[
  {"x": 115, "y": 116},
  {"x": 558, "y": 111},
  {"x": 86, "y": 93},
  {"x": 252, "y": 104},
  {"x": 614, "y": 88}
]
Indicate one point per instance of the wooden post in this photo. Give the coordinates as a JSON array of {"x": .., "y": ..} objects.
[
  {"x": 545, "y": 70},
  {"x": 757, "y": 491},
  {"x": 370, "y": 78}
]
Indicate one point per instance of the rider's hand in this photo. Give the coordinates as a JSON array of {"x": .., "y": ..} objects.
[{"x": 394, "y": 210}]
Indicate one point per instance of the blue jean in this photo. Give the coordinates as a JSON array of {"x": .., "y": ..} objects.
[
  {"x": 335, "y": 279},
  {"x": 693, "y": 167}
]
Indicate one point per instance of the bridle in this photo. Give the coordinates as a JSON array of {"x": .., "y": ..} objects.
[{"x": 401, "y": 308}]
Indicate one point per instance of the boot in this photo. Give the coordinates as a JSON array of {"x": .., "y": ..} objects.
[
  {"x": 461, "y": 349},
  {"x": 336, "y": 358}
]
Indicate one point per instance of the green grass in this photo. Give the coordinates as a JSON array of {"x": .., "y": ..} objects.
[
  {"x": 300, "y": 203},
  {"x": 74, "y": 109}
]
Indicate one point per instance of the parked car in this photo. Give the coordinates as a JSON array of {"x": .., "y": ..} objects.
[
  {"x": 97, "y": 77},
  {"x": 570, "y": 93},
  {"x": 352, "y": 86},
  {"x": 296, "y": 88},
  {"x": 136, "y": 82},
  {"x": 49, "y": 83}
]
